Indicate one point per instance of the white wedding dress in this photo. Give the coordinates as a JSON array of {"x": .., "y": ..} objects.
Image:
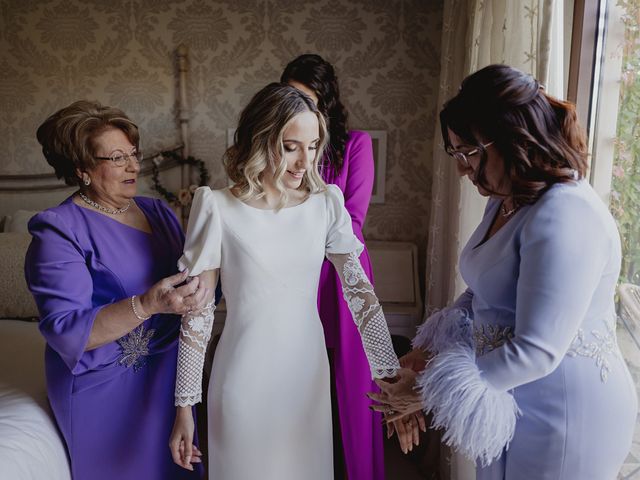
[{"x": 269, "y": 408}]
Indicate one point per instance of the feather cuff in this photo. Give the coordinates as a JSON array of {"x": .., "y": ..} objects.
[
  {"x": 478, "y": 420},
  {"x": 444, "y": 329}
]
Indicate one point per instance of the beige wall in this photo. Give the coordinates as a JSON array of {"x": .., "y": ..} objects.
[{"x": 121, "y": 52}]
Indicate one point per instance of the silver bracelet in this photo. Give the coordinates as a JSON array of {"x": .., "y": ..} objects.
[{"x": 135, "y": 312}]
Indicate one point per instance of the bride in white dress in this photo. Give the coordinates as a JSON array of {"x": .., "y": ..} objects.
[{"x": 269, "y": 408}]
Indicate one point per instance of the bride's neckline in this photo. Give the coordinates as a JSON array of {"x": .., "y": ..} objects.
[{"x": 291, "y": 207}]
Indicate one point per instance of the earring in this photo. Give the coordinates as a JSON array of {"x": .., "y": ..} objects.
[{"x": 87, "y": 181}]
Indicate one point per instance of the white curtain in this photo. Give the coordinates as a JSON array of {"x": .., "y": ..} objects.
[{"x": 527, "y": 34}]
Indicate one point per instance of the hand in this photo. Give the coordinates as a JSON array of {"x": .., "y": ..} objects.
[
  {"x": 165, "y": 297},
  {"x": 399, "y": 398},
  {"x": 407, "y": 428},
  {"x": 415, "y": 360},
  {"x": 183, "y": 451}
]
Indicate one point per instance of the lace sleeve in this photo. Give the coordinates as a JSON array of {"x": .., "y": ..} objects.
[
  {"x": 195, "y": 332},
  {"x": 367, "y": 315}
]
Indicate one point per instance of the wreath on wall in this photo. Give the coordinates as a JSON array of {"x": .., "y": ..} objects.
[{"x": 185, "y": 195}]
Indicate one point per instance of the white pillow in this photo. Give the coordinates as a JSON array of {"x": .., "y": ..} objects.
[
  {"x": 18, "y": 221},
  {"x": 15, "y": 299},
  {"x": 30, "y": 445}
]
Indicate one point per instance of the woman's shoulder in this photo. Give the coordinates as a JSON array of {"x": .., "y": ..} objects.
[
  {"x": 64, "y": 220},
  {"x": 358, "y": 136},
  {"x": 359, "y": 149},
  {"x": 211, "y": 194},
  {"x": 332, "y": 191},
  {"x": 66, "y": 213},
  {"x": 357, "y": 139},
  {"x": 150, "y": 201},
  {"x": 207, "y": 198},
  {"x": 573, "y": 206},
  {"x": 333, "y": 197},
  {"x": 569, "y": 197},
  {"x": 158, "y": 209},
  {"x": 153, "y": 205}
]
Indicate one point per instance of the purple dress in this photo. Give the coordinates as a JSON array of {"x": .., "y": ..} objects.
[
  {"x": 113, "y": 404},
  {"x": 360, "y": 427}
]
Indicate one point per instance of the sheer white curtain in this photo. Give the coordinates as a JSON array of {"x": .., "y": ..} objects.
[{"x": 527, "y": 34}]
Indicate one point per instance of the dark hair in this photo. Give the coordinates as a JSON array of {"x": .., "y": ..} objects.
[
  {"x": 538, "y": 136},
  {"x": 317, "y": 74},
  {"x": 67, "y": 136}
]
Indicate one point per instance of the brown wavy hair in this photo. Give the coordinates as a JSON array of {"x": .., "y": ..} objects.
[
  {"x": 537, "y": 135},
  {"x": 67, "y": 136},
  {"x": 258, "y": 142}
]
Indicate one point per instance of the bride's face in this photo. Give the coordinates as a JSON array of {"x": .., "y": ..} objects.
[{"x": 300, "y": 140}]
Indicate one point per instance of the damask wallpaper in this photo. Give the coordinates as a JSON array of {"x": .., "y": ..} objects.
[{"x": 122, "y": 53}]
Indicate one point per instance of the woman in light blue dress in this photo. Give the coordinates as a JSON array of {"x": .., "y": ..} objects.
[{"x": 523, "y": 371}]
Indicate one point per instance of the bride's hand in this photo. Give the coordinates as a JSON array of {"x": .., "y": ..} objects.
[
  {"x": 183, "y": 451},
  {"x": 399, "y": 398}
]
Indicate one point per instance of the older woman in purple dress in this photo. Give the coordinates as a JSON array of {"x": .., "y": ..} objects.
[
  {"x": 348, "y": 164},
  {"x": 102, "y": 268}
]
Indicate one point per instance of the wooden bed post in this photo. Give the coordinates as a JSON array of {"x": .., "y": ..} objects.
[{"x": 183, "y": 116}]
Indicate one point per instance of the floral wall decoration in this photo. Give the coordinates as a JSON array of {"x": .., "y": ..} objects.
[
  {"x": 184, "y": 196},
  {"x": 122, "y": 53}
]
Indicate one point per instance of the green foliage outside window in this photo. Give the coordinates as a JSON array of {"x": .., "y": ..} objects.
[{"x": 625, "y": 194}]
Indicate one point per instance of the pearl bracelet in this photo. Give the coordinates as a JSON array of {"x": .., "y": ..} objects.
[{"x": 135, "y": 312}]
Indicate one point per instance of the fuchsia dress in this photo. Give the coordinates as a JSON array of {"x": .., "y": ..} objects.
[{"x": 361, "y": 428}]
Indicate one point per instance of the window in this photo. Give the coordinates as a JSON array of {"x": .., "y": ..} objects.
[{"x": 607, "y": 94}]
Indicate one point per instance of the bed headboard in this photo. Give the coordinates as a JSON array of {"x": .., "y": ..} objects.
[{"x": 40, "y": 191}]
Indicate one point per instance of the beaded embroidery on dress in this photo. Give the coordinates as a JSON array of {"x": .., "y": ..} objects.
[{"x": 135, "y": 347}]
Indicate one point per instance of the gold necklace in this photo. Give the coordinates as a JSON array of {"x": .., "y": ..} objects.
[
  {"x": 111, "y": 211},
  {"x": 507, "y": 213}
]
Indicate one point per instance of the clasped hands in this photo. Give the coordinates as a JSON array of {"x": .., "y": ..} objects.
[{"x": 400, "y": 403}]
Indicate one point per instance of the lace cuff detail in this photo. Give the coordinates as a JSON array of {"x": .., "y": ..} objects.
[
  {"x": 195, "y": 332},
  {"x": 367, "y": 315}
]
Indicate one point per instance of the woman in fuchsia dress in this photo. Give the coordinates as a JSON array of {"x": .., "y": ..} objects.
[{"x": 348, "y": 164}]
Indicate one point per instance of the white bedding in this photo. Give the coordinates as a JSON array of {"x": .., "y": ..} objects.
[{"x": 30, "y": 445}]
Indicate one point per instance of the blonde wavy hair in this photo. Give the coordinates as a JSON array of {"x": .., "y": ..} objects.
[{"x": 258, "y": 143}]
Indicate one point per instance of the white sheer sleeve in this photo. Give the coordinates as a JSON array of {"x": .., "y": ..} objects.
[
  {"x": 202, "y": 252},
  {"x": 195, "y": 333},
  {"x": 367, "y": 314}
]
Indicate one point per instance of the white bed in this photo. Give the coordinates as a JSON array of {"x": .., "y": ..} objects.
[{"x": 30, "y": 446}]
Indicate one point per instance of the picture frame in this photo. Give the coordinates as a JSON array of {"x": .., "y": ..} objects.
[{"x": 379, "y": 143}]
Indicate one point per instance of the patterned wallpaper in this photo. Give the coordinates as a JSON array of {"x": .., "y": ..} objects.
[{"x": 121, "y": 52}]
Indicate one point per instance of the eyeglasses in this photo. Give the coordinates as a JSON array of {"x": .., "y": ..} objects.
[
  {"x": 462, "y": 157},
  {"x": 120, "y": 159}
]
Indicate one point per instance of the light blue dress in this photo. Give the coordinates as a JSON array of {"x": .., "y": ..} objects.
[{"x": 528, "y": 378}]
